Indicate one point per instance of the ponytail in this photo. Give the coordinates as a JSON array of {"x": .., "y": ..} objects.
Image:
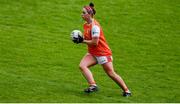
[{"x": 92, "y": 7}]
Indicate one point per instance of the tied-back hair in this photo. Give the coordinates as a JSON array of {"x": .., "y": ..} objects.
[{"x": 90, "y": 9}]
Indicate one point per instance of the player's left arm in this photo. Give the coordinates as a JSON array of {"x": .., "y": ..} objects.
[{"x": 95, "y": 32}]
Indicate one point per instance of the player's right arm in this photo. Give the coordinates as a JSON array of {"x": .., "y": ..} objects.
[{"x": 94, "y": 41}]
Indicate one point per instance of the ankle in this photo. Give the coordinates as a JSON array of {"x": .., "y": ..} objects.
[
  {"x": 127, "y": 90},
  {"x": 92, "y": 85}
]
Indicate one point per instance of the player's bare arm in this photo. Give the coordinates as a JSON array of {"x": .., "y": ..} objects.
[{"x": 94, "y": 41}]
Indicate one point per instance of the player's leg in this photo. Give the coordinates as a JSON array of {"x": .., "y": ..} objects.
[
  {"x": 87, "y": 61},
  {"x": 108, "y": 67}
]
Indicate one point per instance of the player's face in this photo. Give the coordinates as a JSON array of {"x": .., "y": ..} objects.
[{"x": 85, "y": 14}]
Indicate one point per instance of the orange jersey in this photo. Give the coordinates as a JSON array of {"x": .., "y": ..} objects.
[{"x": 102, "y": 48}]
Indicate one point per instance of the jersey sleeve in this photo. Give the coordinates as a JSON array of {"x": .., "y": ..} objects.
[{"x": 95, "y": 32}]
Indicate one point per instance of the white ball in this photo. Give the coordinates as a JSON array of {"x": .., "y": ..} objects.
[{"x": 75, "y": 33}]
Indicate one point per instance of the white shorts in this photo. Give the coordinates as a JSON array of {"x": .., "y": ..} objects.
[{"x": 103, "y": 59}]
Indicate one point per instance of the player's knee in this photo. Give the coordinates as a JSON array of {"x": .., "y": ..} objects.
[{"x": 82, "y": 67}]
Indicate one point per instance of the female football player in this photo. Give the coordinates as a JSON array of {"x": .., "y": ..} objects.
[{"x": 98, "y": 52}]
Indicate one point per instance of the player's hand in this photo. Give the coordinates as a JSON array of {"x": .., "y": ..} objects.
[
  {"x": 78, "y": 40},
  {"x": 75, "y": 40}
]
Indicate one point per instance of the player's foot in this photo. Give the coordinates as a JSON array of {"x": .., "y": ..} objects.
[
  {"x": 91, "y": 88},
  {"x": 126, "y": 94}
]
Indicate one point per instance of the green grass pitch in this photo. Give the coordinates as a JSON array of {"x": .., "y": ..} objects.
[{"x": 39, "y": 62}]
